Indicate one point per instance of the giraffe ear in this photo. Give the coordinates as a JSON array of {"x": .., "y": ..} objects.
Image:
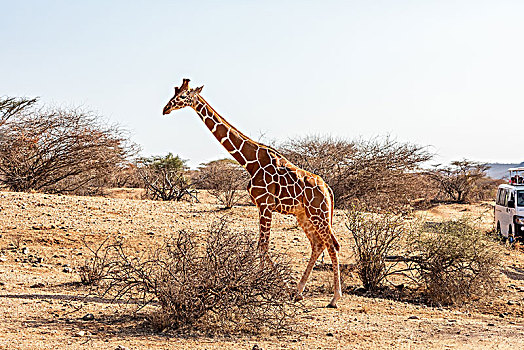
[{"x": 176, "y": 90}]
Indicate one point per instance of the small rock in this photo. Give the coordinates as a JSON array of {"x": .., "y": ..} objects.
[
  {"x": 80, "y": 334},
  {"x": 501, "y": 315},
  {"x": 413, "y": 317},
  {"x": 3, "y": 258},
  {"x": 37, "y": 285},
  {"x": 256, "y": 347},
  {"x": 329, "y": 334},
  {"x": 67, "y": 270},
  {"x": 88, "y": 317},
  {"x": 25, "y": 250},
  {"x": 151, "y": 233},
  {"x": 491, "y": 324},
  {"x": 121, "y": 347}
]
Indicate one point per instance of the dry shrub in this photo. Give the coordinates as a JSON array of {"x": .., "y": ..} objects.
[
  {"x": 97, "y": 265},
  {"x": 225, "y": 180},
  {"x": 379, "y": 171},
  {"x": 377, "y": 236},
  {"x": 58, "y": 150},
  {"x": 214, "y": 281},
  {"x": 455, "y": 261}
]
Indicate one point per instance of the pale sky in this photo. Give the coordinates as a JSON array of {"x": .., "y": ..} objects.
[{"x": 447, "y": 74}]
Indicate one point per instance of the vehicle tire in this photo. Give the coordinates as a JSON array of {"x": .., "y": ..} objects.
[
  {"x": 510, "y": 234},
  {"x": 499, "y": 233}
]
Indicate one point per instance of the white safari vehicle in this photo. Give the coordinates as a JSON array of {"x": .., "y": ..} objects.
[{"x": 509, "y": 207}]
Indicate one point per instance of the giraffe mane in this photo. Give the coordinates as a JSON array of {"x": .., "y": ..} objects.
[{"x": 239, "y": 132}]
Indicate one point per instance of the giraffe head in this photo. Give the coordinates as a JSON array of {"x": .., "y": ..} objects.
[{"x": 184, "y": 97}]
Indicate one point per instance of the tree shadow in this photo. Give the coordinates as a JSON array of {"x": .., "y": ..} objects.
[
  {"x": 515, "y": 273},
  {"x": 65, "y": 297}
]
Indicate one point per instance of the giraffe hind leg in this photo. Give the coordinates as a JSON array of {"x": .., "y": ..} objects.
[
  {"x": 316, "y": 249},
  {"x": 315, "y": 252},
  {"x": 333, "y": 254},
  {"x": 327, "y": 239}
]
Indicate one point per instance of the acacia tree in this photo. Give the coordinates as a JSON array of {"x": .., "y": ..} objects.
[
  {"x": 10, "y": 106},
  {"x": 57, "y": 150},
  {"x": 225, "y": 179},
  {"x": 165, "y": 177},
  {"x": 459, "y": 179},
  {"x": 382, "y": 171}
]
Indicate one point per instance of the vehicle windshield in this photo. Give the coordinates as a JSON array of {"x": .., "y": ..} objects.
[{"x": 520, "y": 198}]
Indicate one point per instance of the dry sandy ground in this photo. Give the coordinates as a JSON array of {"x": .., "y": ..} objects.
[{"x": 40, "y": 306}]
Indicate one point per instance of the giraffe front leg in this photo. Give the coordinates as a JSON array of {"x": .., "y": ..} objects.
[{"x": 265, "y": 215}]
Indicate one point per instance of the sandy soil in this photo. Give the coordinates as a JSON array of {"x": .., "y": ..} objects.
[{"x": 41, "y": 305}]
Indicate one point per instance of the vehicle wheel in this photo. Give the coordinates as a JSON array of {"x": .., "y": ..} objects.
[
  {"x": 510, "y": 235},
  {"x": 499, "y": 233}
]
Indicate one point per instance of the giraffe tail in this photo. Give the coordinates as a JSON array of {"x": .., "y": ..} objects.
[{"x": 335, "y": 242}]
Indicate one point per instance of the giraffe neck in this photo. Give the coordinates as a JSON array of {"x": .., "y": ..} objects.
[{"x": 242, "y": 148}]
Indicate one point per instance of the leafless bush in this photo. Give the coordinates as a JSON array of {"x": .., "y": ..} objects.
[
  {"x": 225, "y": 179},
  {"x": 125, "y": 175},
  {"x": 96, "y": 265},
  {"x": 165, "y": 178},
  {"x": 455, "y": 261},
  {"x": 378, "y": 171},
  {"x": 215, "y": 281},
  {"x": 377, "y": 236},
  {"x": 463, "y": 180},
  {"x": 58, "y": 150}
]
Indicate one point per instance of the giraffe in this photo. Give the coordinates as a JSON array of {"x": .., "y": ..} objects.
[{"x": 275, "y": 185}]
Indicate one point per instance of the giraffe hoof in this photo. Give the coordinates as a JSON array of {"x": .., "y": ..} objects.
[
  {"x": 332, "y": 306},
  {"x": 298, "y": 297}
]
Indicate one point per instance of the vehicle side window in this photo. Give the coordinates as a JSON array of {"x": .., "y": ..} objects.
[
  {"x": 520, "y": 198},
  {"x": 511, "y": 197},
  {"x": 499, "y": 196},
  {"x": 505, "y": 198}
]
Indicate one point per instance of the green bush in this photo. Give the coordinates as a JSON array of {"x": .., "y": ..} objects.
[{"x": 455, "y": 261}]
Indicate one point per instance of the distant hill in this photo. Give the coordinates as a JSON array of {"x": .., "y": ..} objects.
[{"x": 500, "y": 171}]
